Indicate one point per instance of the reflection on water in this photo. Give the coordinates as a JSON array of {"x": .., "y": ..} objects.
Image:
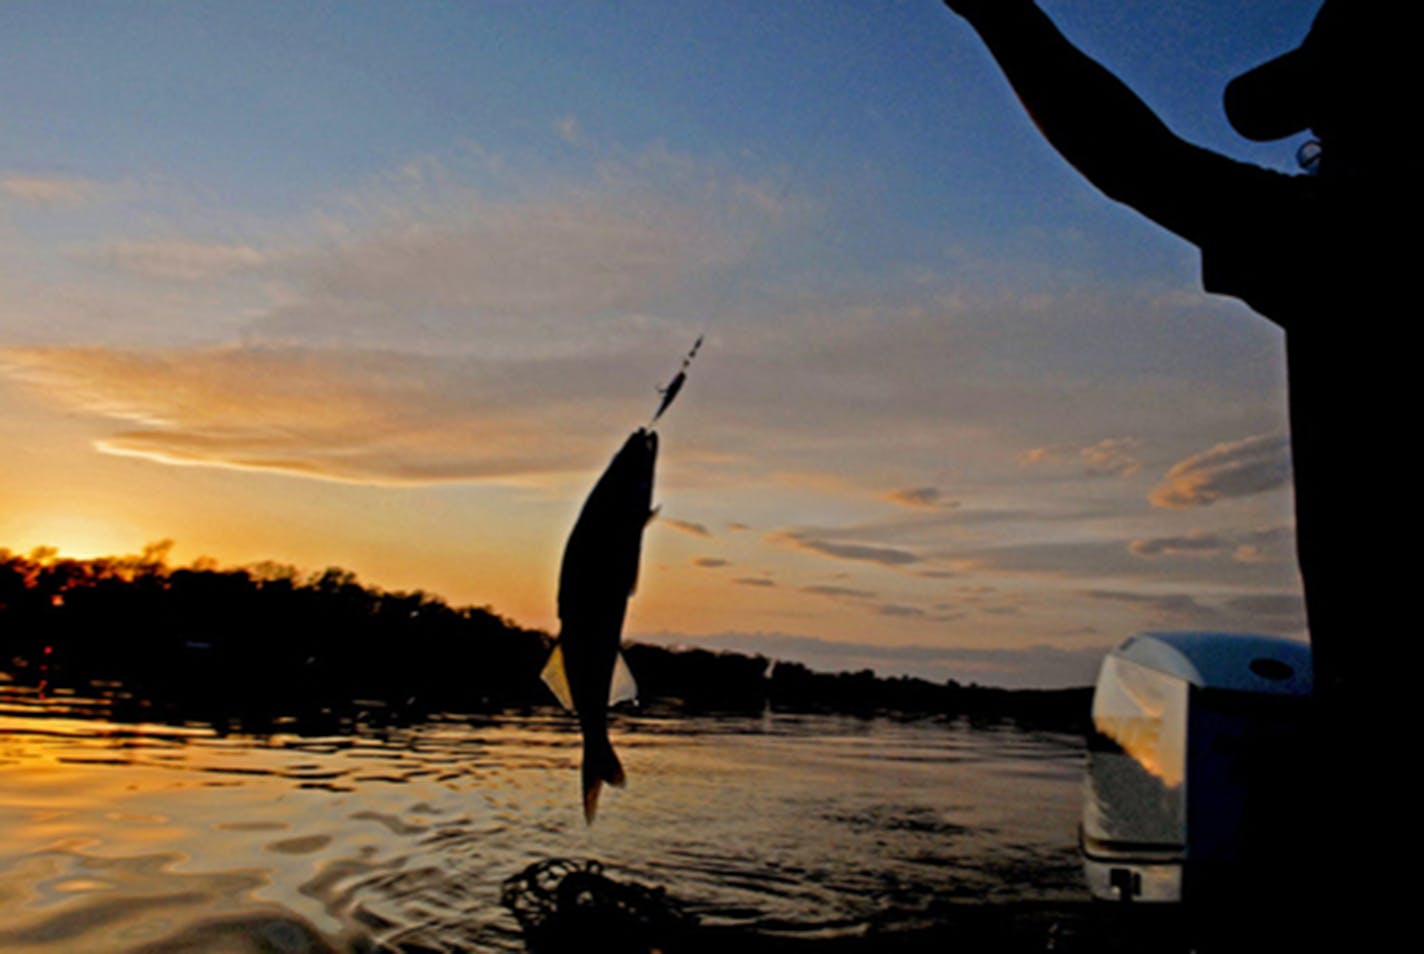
[{"x": 148, "y": 837}]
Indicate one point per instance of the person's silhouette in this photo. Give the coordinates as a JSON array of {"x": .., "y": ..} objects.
[
  {"x": 1311, "y": 252},
  {"x": 1322, "y": 255}
]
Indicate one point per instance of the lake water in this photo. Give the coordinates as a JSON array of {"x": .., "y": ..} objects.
[{"x": 152, "y": 837}]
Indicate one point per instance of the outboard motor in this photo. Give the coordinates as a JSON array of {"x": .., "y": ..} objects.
[{"x": 1196, "y": 768}]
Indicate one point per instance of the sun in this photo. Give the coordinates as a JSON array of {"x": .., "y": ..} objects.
[{"x": 74, "y": 534}]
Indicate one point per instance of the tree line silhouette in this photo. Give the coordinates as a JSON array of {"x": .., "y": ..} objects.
[{"x": 265, "y": 644}]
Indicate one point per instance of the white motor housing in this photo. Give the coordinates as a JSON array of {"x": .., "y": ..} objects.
[{"x": 1195, "y": 765}]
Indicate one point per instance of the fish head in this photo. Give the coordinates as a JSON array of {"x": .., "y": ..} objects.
[
  {"x": 632, "y": 468},
  {"x": 626, "y": 489},
  {"x": 600, "y": 567}
]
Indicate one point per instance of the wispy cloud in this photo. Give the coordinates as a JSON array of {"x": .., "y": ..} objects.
[
  {"x": 1110, "y": 457},
  {"x": 567, "y": 128},
  {"x": 838, "y": 592},
  {"x": 1286, "y": 610},
  {"x": 580, "y": 256},
  {"x": 357, "y": 416},
  {"x": 47, "y": 189},
  {"x": 919, "y": 497},
  {"x": 898, "y": 609},
  {"x": 430, "y": 260},
  {"x": 178, "y": 261},
  {"x": 1159, "y": 560},
  {"x": 885, "y": 556},
  {"x": 1268, "y": 544},
  {"x": 1251, "y": 465},
  {"x": 761, "y": 581},
  {"x": 710, "y": 563},
  {"x": 1195, "y": 543},
  {"x": 686, "y": 526},
  {"x": 1171, "y": 607},
  {"x": 1282, "y": 613}
]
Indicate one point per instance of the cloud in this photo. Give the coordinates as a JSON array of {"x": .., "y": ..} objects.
[
  {"x": 988, "y": 600},
  {"x": 1110, "y": 457},
  {"x": 919, "y": 497},
  {"x": 537, "y": 261},
  {"x": 755, "y": 581},
  {"x": 434, "y": 263},
  {"x": 838, "y": 592},
  {"x": 1037, "y": 455},
  {"x": 346, "y": 415},
  {"x": 943, "y": 612},
  {"x": 1174, "y": 607},
  {"x": 179, "y": 261},
  {"x": 457, "y": 253},
  {"x": 1284, "y": 611},
  {"x": 885, "y": 556},
  {"x": 47, "y": 190},
  {"x": 1265, "y": 545},
  {"x": 1255, "y": 558},
  {"x": 1082, "y": 558},
  {"x": 1251, "y": 465},
  {"x": 1195, "y": 543},
  {"x": 898, "y": 609},
  {"x": 790, "y": 381},
  {"x": 686, "y": 526},
  {"x": 567, "y": 128},
  {"x": 710, "y": 563},
  {"x": 1250, "y": 553}
]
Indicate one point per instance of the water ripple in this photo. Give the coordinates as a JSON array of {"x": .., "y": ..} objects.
[{"x": 154, "y": 838}]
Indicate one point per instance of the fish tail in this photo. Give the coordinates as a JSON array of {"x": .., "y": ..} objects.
[{"x": 600, "y": 764}]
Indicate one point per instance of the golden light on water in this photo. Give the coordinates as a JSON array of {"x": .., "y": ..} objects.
[{"x": 160, "y": 831}]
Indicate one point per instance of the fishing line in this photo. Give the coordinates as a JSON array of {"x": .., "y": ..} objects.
[{"x": 849, "y": 75}]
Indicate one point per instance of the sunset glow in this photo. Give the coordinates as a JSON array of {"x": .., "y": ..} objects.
[{"x": 384, "y": 286}]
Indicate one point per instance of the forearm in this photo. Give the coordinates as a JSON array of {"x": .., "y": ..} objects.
[{"x": 1088, "y": 114}]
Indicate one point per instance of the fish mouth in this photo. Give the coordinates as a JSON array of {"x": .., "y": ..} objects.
[{"x": 642, "y": 444}]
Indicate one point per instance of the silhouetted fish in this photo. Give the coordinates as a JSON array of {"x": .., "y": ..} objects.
[{"x": 586, "y": 670}]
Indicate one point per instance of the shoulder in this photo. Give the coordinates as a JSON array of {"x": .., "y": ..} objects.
[
  {"x": 1275, "y": 244},
  {"x": 1249, "y": 200}
]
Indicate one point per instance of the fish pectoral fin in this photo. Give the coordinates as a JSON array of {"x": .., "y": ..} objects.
[
  {"x": 557, "y": 679},
  {"x": 622, "y": 688}
]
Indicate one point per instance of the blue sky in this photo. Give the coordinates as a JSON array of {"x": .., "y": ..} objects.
[{"x": 384, "y": 284}]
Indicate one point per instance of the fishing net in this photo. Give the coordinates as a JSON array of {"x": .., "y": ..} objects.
[{"x": 561, "y": 904}]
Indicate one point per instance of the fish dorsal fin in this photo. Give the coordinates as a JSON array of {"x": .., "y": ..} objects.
[
  {"x": 622, "y": 688},
  {"x": 557, "y": 679}
]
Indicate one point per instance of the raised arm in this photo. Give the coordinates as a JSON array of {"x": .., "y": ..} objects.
[{"x": 1098, "y": 124}]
